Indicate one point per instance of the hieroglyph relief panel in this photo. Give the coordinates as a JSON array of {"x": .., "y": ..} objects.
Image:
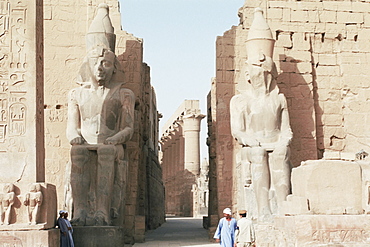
[{"x": 13, "y": 85}]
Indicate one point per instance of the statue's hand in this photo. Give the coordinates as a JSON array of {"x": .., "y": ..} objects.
[
  {"x": 250, "y": 142},
  {"x": 77, "y": 140},
  {"x": 111, "y": 141},
  {"x": 284, "y": 142}
]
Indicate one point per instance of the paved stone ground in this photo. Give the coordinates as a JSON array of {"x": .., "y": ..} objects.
[{"x": 178, "y": 232}]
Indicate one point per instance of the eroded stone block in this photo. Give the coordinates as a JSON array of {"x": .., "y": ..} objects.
[{"x": 331, "y": 186}]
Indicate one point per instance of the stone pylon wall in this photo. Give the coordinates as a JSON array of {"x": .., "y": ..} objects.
[
  {"x": 66, "y": 25},
  {"x": 321, "y": 52}
]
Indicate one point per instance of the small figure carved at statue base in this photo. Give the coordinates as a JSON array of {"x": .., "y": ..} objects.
[
  {"x": 33, "y": 201},
  {"x": 7, "y": 201}
]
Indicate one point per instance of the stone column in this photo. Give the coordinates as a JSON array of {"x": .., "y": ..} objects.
[{"x": 191, "y": 129}]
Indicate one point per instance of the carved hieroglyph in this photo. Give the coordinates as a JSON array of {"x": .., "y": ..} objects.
[
  {"x": 100, "y": 121},
  {"x": 21, "y": 92},
  {"x": 260, "y": 122}
]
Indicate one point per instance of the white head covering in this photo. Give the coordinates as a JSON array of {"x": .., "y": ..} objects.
[
  {"x": 62, "y": 212},
  {"x": 227, "y": 211}
]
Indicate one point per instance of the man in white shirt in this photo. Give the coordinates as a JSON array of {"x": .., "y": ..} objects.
[{"x": 244, "y": 234}]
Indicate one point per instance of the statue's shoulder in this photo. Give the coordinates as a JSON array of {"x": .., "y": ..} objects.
[
  {"x": 241, "y": 98},
  {"x": 126, "y": 91},
  {"x": 76, "y": 92},
  {"x": 237, "y": 97}
]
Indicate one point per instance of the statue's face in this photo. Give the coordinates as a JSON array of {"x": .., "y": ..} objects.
[
  {"x": 8, "y": 188},
  {"x": 102, "y": 67},
  {"x": 33, "y": 188},
  {"x": 256, "y": 76}
]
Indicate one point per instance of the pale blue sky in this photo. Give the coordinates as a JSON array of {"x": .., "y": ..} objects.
[{"x": 179, "y": 46}]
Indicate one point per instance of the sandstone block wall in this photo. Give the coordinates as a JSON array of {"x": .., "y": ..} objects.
[{"x": 321, "y": 52}]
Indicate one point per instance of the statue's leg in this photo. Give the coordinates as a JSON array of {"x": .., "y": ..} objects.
[
  {"x": 260, "y": 180},
  {"x": 7, "y": 215},
  {"x": 1, "y": 215},
  {"x": 29, "y": 214},
  {"x": 280, "y": 173},
  {"x": 120, "y": 177},
  {"x": 29, "y": 210},
  {"x": 246, "y": 167},
  {"x": 80, "y": 183},
  {"x": 34, "y": 214},
  {"x": 105, "y": 180}
]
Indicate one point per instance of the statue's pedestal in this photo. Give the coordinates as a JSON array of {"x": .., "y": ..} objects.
[
  {"x": 30, "y": 238},
  {"x": 102, "y": 236},
  {"x": 315, "y": 230}
]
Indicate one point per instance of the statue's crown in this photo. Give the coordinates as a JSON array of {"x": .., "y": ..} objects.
[
  {"x": 101, "y": 31},
  {"x": 260, "y": 38}
]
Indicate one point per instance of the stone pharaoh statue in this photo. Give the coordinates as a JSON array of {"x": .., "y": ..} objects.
[
  {"x": 260, "y": 121},
  {"x": 100, "y": 121}
]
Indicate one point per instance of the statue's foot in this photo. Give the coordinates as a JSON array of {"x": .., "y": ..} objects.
[
  {"x": 79, "y": 219},
  {"x": 114, "y": 213},
  {"x": 101, "y": 219},
  {"x": 90, "y": 221},
  {"x": 266, "y": 218}
]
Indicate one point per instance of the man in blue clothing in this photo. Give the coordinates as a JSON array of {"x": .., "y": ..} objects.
[
  {"x": 225, "y": 232},
  {"x": 65, "y": 228}
]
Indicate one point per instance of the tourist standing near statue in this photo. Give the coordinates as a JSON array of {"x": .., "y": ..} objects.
[
  {"x": 225, "y": 232},
  {"x": 66, "y": 230},
  {"x": 260, "y": 121},
  {"x": 244, "y": 234},
  {"x": 100, "y": 121}
]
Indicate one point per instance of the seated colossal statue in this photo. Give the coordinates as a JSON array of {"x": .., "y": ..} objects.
[
  {"x": 100, "y": 122},
  {"x": 260, "y": 121}
]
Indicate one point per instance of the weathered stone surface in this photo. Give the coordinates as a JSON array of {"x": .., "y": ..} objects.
[
  {"x": 98, "y": 236},
  {"x": 330, "y": 186},
  {"x": 30, "y": 238},
  {"x": 315, "y": 230}
]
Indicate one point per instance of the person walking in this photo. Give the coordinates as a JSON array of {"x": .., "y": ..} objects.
[
  {"x": 244, "y": 234},
  {"x": 66, "y": 239},
  {"x": 225, "y": 232}
]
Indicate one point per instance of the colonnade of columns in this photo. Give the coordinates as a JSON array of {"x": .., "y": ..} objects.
[{"x": 180, "y": 146}]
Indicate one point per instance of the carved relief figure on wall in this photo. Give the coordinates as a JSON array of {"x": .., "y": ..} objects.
[
  {"x": 100, "y": 121},
  {"x": 7, "y": 201},
  {"x": 260, "y": 121},
  {"x": 33, "y": 201}
]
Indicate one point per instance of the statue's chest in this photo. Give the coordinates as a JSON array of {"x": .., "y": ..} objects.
[
  {"x": 263, "y": 107},
  {"x": 94, "y": 104}
]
